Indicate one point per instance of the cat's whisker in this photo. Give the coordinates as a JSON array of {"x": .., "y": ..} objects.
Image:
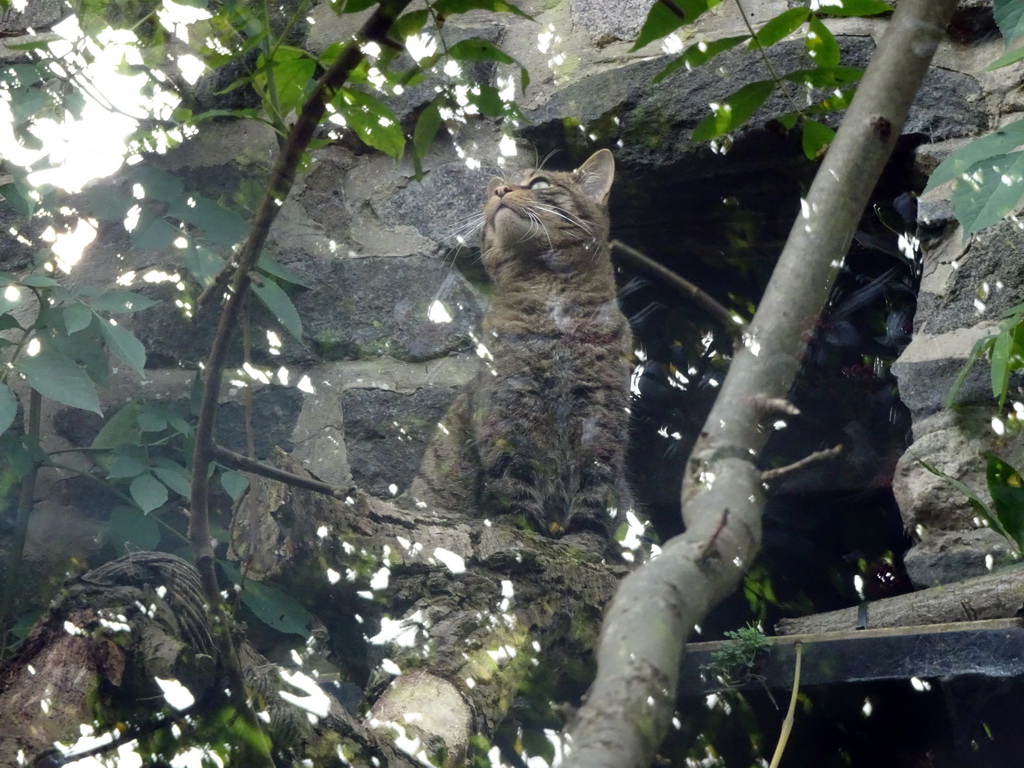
[
  {"x": 564, "y": 214},
  {"x": 547, "y": 157},
  {"x": 466, "y": 230}
]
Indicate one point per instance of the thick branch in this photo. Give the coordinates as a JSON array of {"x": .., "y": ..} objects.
[{"x": 628, "y": 709}]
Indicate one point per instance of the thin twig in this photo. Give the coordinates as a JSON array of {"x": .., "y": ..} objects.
[
  {"x": 237, "y": 461},
  {"x": 733, "y": 324},
  {"x": 771, "y": 475},
  {"x": 255, "y": 751}
]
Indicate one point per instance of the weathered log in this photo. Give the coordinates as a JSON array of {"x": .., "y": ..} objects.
[{"x": 994, "y": 596}]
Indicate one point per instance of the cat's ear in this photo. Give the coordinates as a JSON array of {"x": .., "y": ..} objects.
[
  {"x": 596, "y": 175},
  {"x": 493, "y": 184}
]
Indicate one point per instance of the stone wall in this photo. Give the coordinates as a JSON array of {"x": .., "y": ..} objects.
[{"x": 377, "y": 249}]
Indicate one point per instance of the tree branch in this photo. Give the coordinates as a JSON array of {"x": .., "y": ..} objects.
[
  {"x": 731, "y": 322},
  {"x": 627, "y": 711},
  {"x": 245, "y": 464},
  {"x": 256, "y": 750}
]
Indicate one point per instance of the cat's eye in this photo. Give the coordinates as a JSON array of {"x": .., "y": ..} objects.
[{"x": 539, "y": 184}]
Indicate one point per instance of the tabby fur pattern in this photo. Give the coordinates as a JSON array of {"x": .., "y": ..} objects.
[{"x": 541, "y": 432}]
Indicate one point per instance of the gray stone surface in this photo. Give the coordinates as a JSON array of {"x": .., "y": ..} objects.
[
  {"x": 386, "y": 433},
  {"x": 928, "y": 369},
  {"x": 606, "y": 21},
  {"x": 371, "y": 307},
  {"x": 375, "y": 247},
  {"x": 949, "y": 557},
  {"x": 38, "y": 14}
]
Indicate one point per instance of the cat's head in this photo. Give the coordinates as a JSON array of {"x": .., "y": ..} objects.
[{"x": 548, "y": 210}]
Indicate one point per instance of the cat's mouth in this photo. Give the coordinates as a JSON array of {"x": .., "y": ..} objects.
[{"x": 506, "y": 210}]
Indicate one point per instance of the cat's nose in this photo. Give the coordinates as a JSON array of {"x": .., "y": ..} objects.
[{"x": 502, "y": 190}]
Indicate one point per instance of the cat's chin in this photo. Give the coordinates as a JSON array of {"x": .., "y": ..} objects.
[{"x": 510, "y": 226}]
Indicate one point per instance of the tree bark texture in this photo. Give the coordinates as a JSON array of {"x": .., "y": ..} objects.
[
  {"x": 523, "y": 606},
  {"x": 630, "y": 703},
  {"x": 997, "y": 595}
]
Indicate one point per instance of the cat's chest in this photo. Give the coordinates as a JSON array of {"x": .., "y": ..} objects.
[
  {"x": 558, "y": 317},
  {"x": 567, "y": 316}
]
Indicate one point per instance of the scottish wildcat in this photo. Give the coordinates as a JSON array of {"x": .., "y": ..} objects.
[{"x": 541, "y": 431}]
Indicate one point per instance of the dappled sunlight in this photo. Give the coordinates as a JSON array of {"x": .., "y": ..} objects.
[{"x": 68, "y": 247}]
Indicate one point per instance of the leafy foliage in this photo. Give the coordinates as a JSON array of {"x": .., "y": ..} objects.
[
  {"x": 61, "y": 340},
  {"x": 834, "y": 82},
  {"x": 736, "y": 662},
  {"x": 987, "y": 177},
  {"x": 1005, "y": 349}
]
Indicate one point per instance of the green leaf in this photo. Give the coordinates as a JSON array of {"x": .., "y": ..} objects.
[
  {"x": 1007, "y": 355},
  {"x": 816, "y": 138},
  {"x": 996, "y": 143},
  {"x": 699, "y": 53},
  {"x": 1007, "y": 491},
  {"x": 127, "y": 465},
  {"x": 152, "y": 232},
  {"x": 786, "y": 23},
  {"x": 853, "y": 7},
  {"x": 825, "y": 77},
  {"x": 150, "y": 412},
  {"x": 123, "y": 344},
  {"x": 1009, "y": 17},
  {"x": 8, "y": 408},
  {"x": 174, "y": 477},
  {"x": 132, "y": 531},
  {"x": 273, "y": 267},
  {"x": 446, "y": 8},
  {"x": 107, "y": 202},
  {"x": 663, "y": 21},
  {"x": 1008, "y": 58},
  {"x": 427, "y": 125},
  {"x": 293, "y": 70},
  {"x": 121, "y": 429},
  {"x": 276, "y": 300},
  {"x": 789, "y": 120},
  {"x": 148, "y": 492},
  {"x": 487, "y": 99},
  {"x": 1000, "y": 368},
  {"x": 409, "y": 24},
  {"x": 7, "y": 303},
  {"x": 156, "y": 184},
  {"x": 660, "y": 22},
  {"x": 39, "y": 281},
  {"x": 734, "y": 111},
  {"x": 121, "y": 302},
  {"x": 234, "y": 483},
  {"x": 988, "y": 190},
  {"x": 270, "y": 605},
  {"x": 221, "y": 225},
  {"x": 373, "y": 123},
  {"x": 151, "y": 419},
  {"x": 475, "y": 49},
  {"x": 76, "y": 317},
  {"x": 12, "y": 195},
  {"x": 821, "y": 45},
  {"x": 203, "y": 264},
  {"x": 58, "y": 377}
]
